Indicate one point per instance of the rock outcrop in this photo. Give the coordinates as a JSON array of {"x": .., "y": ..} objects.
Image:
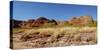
[
  {"x": 42, "y": 21},
  {"x": 36, "y": 23},
  {"x": 83, "y": 20}
]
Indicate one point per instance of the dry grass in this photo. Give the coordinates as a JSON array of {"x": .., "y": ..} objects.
[{"x": 54, "y": 37}]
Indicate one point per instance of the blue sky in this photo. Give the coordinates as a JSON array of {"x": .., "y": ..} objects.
[{"x": 32, "y": 10}]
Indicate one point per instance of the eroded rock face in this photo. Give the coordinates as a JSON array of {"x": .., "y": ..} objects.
[
  {"x": 36, "y": 23},
  {"x": 39, "y": 22},
  {"x": 83, "y": 20}
]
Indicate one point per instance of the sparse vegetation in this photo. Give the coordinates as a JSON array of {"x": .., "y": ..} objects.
[{"x": 54, "y": 37}]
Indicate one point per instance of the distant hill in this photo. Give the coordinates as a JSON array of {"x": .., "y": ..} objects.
[{"x": 42, "y": 21}]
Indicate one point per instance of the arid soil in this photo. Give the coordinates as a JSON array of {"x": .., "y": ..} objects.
[{"x": 54, "y": 37}]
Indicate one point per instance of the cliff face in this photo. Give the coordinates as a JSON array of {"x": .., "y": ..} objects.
[{"x": 83, "y": 20}]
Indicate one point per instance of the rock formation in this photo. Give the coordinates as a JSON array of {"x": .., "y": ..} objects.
[
  {"x": 36, "y": 23},
  {"x": 42, "y": 21},
  {"x": 83, "y": 20}
]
